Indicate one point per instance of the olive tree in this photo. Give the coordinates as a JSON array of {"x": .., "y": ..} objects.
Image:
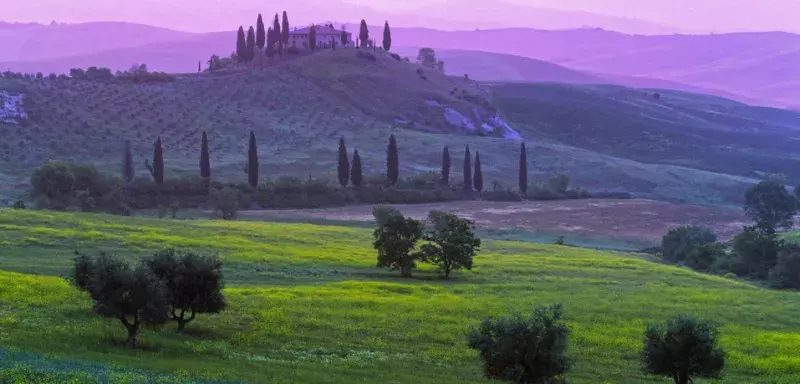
[
  {"x": 395, "y": 242},
  {"x": 451, "y": 243},
  {"x": 682, "y": 348}
]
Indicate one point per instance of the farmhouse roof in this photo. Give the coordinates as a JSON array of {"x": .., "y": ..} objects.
[{"x": 321, "y": 30}]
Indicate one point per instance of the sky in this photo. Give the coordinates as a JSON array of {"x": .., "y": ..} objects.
[{"x": 209, "y": 15}]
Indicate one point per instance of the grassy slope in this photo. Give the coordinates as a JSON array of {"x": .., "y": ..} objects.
[{"x": 307, "y": 305}]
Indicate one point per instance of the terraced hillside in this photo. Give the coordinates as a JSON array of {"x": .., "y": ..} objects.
[
  {"x": 306, "y": 304},
  {"x": 298, "y": 109}
]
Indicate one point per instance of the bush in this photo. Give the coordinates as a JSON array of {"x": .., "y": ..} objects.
[
  {"x": 395, "y": 241},
  {"x": 682, "y": 348},
  {"x": 451, "y": 242},
  {"x": 225, "y": 203},
  {"x": 53, "y": 185},
  {"x": 502, "y": 195},
  {"x": 703, "y": 258},
  {"x": 395, "y": 56},
  {"x": 786, "y": 272},
  {"x": 679, "y": 242},
  {"x": 755, "y": 253},
  {"x": 383, "y": 213},
  {"x": 523, "y": 350}
]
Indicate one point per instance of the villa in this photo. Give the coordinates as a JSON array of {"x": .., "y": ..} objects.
[{"x": 325, "y": 35}]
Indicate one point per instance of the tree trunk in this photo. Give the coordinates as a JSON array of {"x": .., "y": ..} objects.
[
  {"x": 133, "y": 330},
  {"x": 405, "y": 271},
  {"x": 182, "y": 321},
  {"x": 447, "y": 268}
]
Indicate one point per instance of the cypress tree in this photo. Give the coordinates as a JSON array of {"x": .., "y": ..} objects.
[
  {"x": 127, "y": 170},
  {"x": 250, "y": 46},
  {"x": 363, "y": 35},
  {"x": 523, "y": 169},
  {"x": 478, "y": 178},
  {"x": 344, "y": 165},
  {"x": 467, "y": 170},
  {"x": 312, "y": 38},
  {"x": 276, "y": 27},
  {"x": 446, "y": 166},
  {"x": 241, "y": 46},
  {"x": 285, "y": 29},
  {"x": 158, "y": 162},
  {"x": 392, "y": 161},
  {"x": 261, "y": 34},
  {"x": 205, "y": 161},
  {"x": 356, "y": 175},
  {"x": 252, "y": 162},
  {"x": 270, "y": 43},
  {"x": 387, "y": 37}
]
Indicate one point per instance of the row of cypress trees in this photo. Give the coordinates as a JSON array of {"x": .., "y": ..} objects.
[{"x": 277, "y": 35}]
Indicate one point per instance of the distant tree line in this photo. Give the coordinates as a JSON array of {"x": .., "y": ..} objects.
[{"x": 136, "y": 74}]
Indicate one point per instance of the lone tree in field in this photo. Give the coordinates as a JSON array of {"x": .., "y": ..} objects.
[
  {"x": 285, "y": 30},
  {"x": 467, "y": 170},
  {"x": 478, "y": 178},
  {"x": 252, "y": 161},
  {"x": 205, "y": 162},
  {"x": 770, "y": 205},
  {"x": 276, "y": 28},
  {"x": 395, "y": 241},
  {"x": 193, "y": 283},
  {"x": 251, "y": 44},
  {"x": 363, "y": 34},
  {"x": 133, "y": 296},
  {"x": 157, "y": 168},
  {"x": 682, "y": 348},
  {"x": 523, "y": 169},
  {"x": 392, "y": 161},
  {"x": 356, "y": 175},
  {"x": 523, "y": 350},
  {"x": 261, "y": 33},
  {"x": 451, "y": 242},
  {"x": 344, "y": 165},
  {"x": 312, "y": 38},
  {"x": 241, "y": 46},
  {"x": 387, "y": 37},
  {"x": 445, "y": 166}
]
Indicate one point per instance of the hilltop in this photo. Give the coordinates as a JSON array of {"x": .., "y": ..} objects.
[{"x": 299, "y": 107}]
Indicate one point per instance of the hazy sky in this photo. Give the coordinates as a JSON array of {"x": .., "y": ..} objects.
[{"x": 687, "y": 15}]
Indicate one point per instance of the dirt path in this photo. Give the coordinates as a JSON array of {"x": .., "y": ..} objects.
[{"x": 626, "y": 220}]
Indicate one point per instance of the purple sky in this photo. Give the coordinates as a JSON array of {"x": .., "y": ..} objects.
[{"x": 210, "y": 15}]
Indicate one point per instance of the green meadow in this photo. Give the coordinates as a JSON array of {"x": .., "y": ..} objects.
[{"x": 307, "y": 305}]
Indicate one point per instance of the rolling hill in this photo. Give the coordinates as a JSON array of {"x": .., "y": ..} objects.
[{"x": 298, "y": 108}]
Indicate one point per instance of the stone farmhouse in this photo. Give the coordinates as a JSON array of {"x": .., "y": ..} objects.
[{"x": 326, "y": 34}]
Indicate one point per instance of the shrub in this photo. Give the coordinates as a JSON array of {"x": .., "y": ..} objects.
[
  {"x": 225, "y": 202},
  {"x": 19, "y": 204},
  {"x": 383, "y": 213},
  {"x": 703, "y": 257},
  {"x": 395, "y": 56},
  {"x": 53, "y": 185},
  {"x": 395, "y": 241},
  {"x": 193, "y": 283},
  {"x": 502, "y": 195},
  {"x": 786, "y": 272},
  {"x": 523, "y": 350},
  {"x": 682, "y": 348},
  {"x": 755, "y": 253},
  {"x": 451, "y": 242},
  {"x": 679, "y": 242}
]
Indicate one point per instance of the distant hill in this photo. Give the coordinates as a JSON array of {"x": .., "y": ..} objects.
[{"x": 298, "y": 109}]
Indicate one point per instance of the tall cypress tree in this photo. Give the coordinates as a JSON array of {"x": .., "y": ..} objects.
[
  {"x": 523, "y": 169},
  {"x": 344, "y": 165},
  {"x": 387, "y": 37},
  {"x": 251, "y": 44},
  {"x": 158, "y": 162},
  {"x": 392, "y": 161},
  {"x": 127, "y": 170},
  {"x": 312, "y": 38},
  {"x": 205, "y": 161},
  {"x": 241, "y": 46},
  {"x": 285, "y": 29},
  {"x": 276, "y": 27},
  {"x": 270, "y": 43},
  {"x": 252, "y": 162},
  {"x": 446, "y": 166},
  {"x": 363, "y": 34},
  {"x": 356, "y": 175},
  {"x": 467, "y": 170},
  {"x": 478, "y": 178},
  {"x": 261, "y": 33}
]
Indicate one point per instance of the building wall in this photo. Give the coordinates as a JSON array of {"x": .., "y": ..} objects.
[{"x": 301, "y": 40}]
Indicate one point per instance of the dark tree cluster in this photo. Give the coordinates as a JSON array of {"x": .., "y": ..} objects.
[{"x": 262, "y": 40}]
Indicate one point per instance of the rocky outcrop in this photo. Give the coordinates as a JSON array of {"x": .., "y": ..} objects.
[{"x": 11, "y": 111}]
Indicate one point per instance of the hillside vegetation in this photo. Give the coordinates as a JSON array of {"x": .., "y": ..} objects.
[{"x": 306, "y": 304}]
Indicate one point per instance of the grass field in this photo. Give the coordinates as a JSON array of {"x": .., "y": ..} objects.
[
  {"x": 307, "y": 305},
  {"x": 299, "y": 108}
]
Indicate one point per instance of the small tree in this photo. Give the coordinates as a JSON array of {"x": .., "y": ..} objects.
[
  {"x": 205, "y": 162},
  {"x": 770, "y": 205},
  {"x": 445, "y": 166},
  {"x": 356, "y": 175},
  {"x": 193, "y": 283},
  {"x": 451, "y": 242},
  {"x": 344, "y": 38},
  {"x": 467, "y": 170},
  {"x": 395, "y": 242},
  {"x": 225, "y": 203},
  {"x": 679, "y": 242},
  {"x": 786, "y": 272},
  {"x": 523, "y": 169},
  {"x": 682, "y": 348},
  {"x": 157, "y": 168},
  {"x": 343, "y": 167},
  {"x": 392, "y": 161},
  {"x": 523, "y": 350},
  {"x": 363, "y": 34},
  {"x": 427, "y": 57},
  {"x": 382, "y": 214},
  {"x": 387, "y": 37},
  {"x": 53, "y": 185},
  {"x": 127, "y": 171},
  {"x": 756, "y": 252},
  {"x": 252, "y": 161},
  {"x": 135, "y": 297},
  {"x": 478, "y": 178}
]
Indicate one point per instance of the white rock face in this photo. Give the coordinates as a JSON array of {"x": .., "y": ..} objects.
[
  {"x": 458, "y": 120},
  {"x": 11, "y": 110},
  {"x": 505, "y": 128}
]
